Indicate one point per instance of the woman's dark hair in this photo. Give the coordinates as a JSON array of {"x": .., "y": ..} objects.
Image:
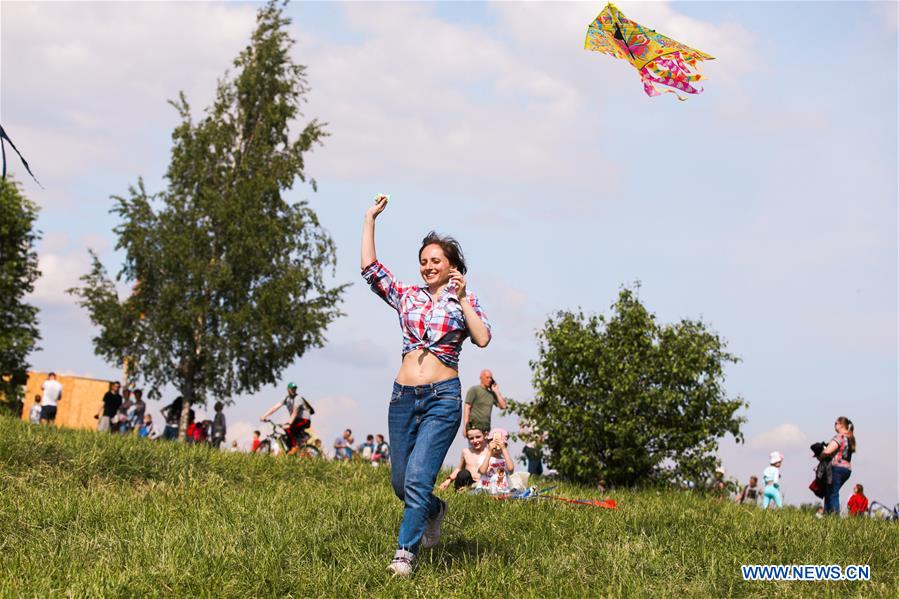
[
  {"x": 851, "y": 429},
  {"x": 861, "y": 489},
  {"x": 451, "y": 249}
]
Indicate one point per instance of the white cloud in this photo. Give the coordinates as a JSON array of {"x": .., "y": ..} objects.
[
  {"x": 782, "y": 436},
  {"x": 58, "y": 273},
  {"x": 62, "y": 263},
  {"x": 333, "y": 414},
  {"x": 87, "y": 92},
  {"x": 889, "y": 12},
  {"x": 404, "y": 103}
]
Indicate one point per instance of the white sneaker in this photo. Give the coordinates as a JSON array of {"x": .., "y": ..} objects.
[
  {"x": 401, "y": 564},
  {"x": 432, "y": 532}
]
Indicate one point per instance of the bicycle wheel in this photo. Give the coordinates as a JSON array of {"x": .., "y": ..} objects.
[{"x": 265, "y": 447}]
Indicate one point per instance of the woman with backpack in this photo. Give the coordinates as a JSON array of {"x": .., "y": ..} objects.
[{"x": 839, "y": 450}]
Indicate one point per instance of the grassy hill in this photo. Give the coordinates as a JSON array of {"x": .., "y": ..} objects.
[{"x": 85, "y": 514}]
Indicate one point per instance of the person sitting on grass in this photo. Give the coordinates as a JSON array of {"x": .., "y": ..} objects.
[
  {"x": 368, "y": 448},
  {"x": 771, "y": 476},
  {"x": 343, "y": 446},
  {"x": 496, "y": 469},
  {"x": 858, "y": 503},
  {"x": 146, "y": 430},
  {"x": 382, "y": 451},
  {"x": 256, "y": 441},
  {"x": 466, "y": 473}
]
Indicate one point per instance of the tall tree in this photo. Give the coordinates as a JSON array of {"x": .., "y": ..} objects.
[
  {"x": 628, "y": 400},
  {"x": 18, "y": 271},
  {"x": 227, "y": 277}
]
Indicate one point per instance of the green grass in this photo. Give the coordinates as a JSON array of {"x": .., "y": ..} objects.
[{"x": 84, "y": 514}]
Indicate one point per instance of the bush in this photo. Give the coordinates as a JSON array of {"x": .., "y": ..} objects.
[{"x": 627, "y": 400}]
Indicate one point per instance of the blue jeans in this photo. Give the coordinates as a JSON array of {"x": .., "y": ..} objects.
[
  {"x": 832, "y": 493},
  {"x": 422, "y": 421}
]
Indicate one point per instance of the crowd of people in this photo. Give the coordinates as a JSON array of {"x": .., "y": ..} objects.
[
  {"x": 485, "y": 465},
  {"x": 124, "y": 411}
]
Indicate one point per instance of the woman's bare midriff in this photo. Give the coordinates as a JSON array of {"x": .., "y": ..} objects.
[{"x": 421, "y": 367}]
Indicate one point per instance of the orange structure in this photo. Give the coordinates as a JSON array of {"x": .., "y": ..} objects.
[{"x": 81, "y": 398}]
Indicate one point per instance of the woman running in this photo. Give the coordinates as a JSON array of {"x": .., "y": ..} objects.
[{"x": 426, "y": 403}]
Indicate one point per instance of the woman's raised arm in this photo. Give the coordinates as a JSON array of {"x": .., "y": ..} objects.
[{"x": 368, "y": 231}]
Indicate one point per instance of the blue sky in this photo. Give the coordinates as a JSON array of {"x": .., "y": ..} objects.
[{"x": 765, "y": 206}]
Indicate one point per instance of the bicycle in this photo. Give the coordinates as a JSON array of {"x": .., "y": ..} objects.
[{"x": 279, "y": 435}]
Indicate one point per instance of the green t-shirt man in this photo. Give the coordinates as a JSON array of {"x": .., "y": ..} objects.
[{"x": 479, "y": 402}]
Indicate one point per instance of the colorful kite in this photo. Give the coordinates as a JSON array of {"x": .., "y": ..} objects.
[{"x": 660, "y": 60}]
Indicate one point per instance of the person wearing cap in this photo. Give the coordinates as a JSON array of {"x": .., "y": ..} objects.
[
  {"x": 300, "y": 413},
  {"x": 771, "y": 476}
]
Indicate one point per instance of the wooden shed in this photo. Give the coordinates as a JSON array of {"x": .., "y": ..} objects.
[{"x": 81, "y": 398}]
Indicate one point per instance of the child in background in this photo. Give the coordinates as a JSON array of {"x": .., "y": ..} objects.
[
  {"x": 146, "y": 430},
  {"x": 473, "y": 456},
  {"x": 367, "y": 449},
  {"x": 256, "y": 441},
  {"x": 771, "y": 476},
  {"x": 34, "y": 414},
  {"x": 858, "y": 503},
  {"x": 496, "y": 469}
]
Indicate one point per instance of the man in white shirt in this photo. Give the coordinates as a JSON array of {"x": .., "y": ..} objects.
[{"x": 52, "y": 394}]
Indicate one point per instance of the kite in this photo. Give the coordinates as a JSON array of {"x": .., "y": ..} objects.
[
  {"x": 659, "y": 59},
  {"x": 4, "y": 136}
]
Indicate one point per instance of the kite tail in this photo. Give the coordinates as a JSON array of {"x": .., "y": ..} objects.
[
  {"x": 671, "y": 71},
  {"x": 605, "y": 503},
  {"x": 4, "y": 136}
]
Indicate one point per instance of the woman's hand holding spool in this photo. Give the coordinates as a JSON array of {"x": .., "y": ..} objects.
[
  {"x": 458, "y": 282},
  {"x": 378, "y": 207}
]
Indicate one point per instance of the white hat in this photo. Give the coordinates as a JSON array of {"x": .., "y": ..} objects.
[{"x": 775, "y": 457}]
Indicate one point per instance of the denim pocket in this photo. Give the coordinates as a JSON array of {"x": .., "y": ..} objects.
[
  {"x": 395, "y": 396},
  {"x": 449, "y": 393}
]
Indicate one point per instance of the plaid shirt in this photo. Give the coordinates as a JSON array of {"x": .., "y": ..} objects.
[{"x": 437, "y": 325}]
